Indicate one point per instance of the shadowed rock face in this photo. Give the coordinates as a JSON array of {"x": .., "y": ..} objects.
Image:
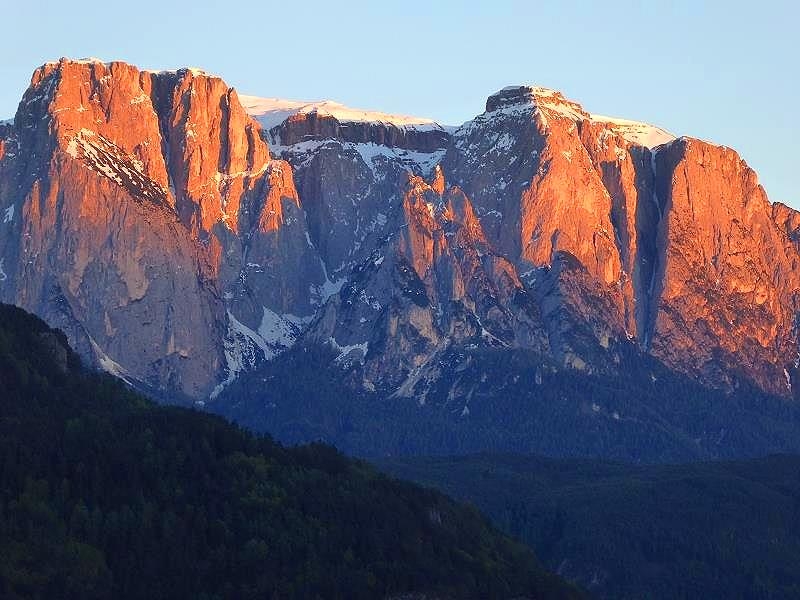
[
  {"x": 304, "y": 127},
  {"x": 433, "y": 286},
  {"x": 144, "y": 214}
]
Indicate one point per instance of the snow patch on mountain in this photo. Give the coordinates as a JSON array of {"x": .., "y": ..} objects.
[
  {"x": 636, "y": 132},
  {"x": 89, "y": 60},
  {"x": 270, "y": 112},
  {"x": 329, "y": 287},
  {"x": 548, "y": 103},
  {"x": 515, "y": 97},
  {"x": 372, "y": 154},
  {"x": 195, "y": 71},
  {"x": 349, "y": 353},
  {"x": 245, "y": 348},
  {"x": 280, "y": 332},
  {"x": 99, "y": 154}
]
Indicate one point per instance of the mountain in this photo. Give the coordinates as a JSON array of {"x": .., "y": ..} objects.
[
  {"x": 143, "y": 211},
  {"x": 107, "y": 495},
  {"x": 186, "y": 245},
  {"x": 703, "y": 530}
]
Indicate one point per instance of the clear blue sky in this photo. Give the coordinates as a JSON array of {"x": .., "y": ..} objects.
[{"x": 723, "y": 71}]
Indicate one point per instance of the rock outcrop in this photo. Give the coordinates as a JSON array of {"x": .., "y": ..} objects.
[
  {"x": 727, "y": 286},
  {"x": 142, "y": 210},
  {"x": 146, "y": 215},
  {"x": 311, "y": 126},
  {"x": 433, "y": 287},
  {"x": 674, "y": 246}
]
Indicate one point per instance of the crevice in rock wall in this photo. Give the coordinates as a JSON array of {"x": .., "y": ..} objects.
[
  {"x": 648, "y": 260},
  {"x": 223, "y": 162},
  {"x": 662, "y": 168},
  {"x": 550, "y": 302},
  {"x": 161, "y": 90}
]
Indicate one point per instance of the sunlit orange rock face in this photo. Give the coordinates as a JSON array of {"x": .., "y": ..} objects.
[
  {"x": 144, "y": 214},
  {"x": 539, "y": 176},
  {"x": 675, "y": 247},
  {"x": 137, "y": 197},
  {"x": 728, "y": 286}
]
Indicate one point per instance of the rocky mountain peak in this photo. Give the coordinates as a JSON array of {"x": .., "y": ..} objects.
[
  {"x": 147, "y": 210},
  {"x": 553, "y": 104},
  {"x": 534, "y": 96},
  {"x": 144, "y": 187},
  {"x": 180, "y": 138}
]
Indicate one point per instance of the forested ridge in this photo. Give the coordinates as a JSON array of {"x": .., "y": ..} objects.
[
  {"x": 518, "y": 402},
  {"x": 713, "y": 530},
  {"x": 106, "y": 495}
]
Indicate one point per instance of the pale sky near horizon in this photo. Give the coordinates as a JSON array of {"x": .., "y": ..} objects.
[{"x": 721, "y": 71}]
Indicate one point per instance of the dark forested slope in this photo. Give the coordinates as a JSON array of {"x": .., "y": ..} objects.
[
  {"x": 104, "y": 494},
  {"x": 701, "y": 530},
  {"x": 514, "y": 401}
]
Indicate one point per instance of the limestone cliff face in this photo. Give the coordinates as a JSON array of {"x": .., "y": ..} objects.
[
  {"x": 542, "y": 196},
  {"x": 622, "y": 231},
  {"x": 432, "y": 288},
  {"x": 787, "y": 220},
  {"x": 136, "y": 203},
  {"x": 313, "y": 125},
  {"x": 728, "y": 283},
  {"x": 145, "y": 214},
  {"x": 93, "y": 242}
]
